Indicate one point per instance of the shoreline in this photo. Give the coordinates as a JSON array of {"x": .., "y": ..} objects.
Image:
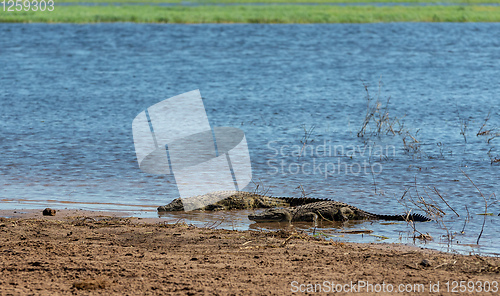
[
  {"x": 236, "y": 220},
  {"x": 95, "y": 252}
]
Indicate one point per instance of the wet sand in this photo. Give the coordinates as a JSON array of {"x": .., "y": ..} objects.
[{"x": 91, "y": 253}]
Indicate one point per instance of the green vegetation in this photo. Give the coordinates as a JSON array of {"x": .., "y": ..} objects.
[
  {"x": 257, "y": 14},
  {"x": 282, "y": 1}
]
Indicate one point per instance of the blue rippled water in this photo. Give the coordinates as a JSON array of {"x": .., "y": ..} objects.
[{"x": 69, "y": 94}]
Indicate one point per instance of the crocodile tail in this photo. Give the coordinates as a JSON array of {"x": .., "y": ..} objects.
[
  {"x": 406, "y": 217},
  {"x": 298, "y": 201}
]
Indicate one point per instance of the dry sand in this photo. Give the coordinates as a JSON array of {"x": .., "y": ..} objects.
[{"x": 84, "y": 253}]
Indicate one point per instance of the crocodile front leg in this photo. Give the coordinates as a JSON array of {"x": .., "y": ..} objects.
[{"x": 306, "y": 217}]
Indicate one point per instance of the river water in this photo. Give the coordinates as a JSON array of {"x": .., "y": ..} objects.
[{"x": 69, "y": 94}]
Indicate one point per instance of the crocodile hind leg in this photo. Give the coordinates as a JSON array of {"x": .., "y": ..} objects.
[
  {"x": 338, "y": 214},
  {"x": 347, "y": 214}
]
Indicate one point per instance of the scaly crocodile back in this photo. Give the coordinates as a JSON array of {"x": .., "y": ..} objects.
[
  {"x": 339, "y": 211},
  {"x": 299, "y": 201},
  {"x": 328, "y": 210},
  {"x": 228, "y": 200}
]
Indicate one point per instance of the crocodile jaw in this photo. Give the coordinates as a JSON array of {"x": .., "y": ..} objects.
[{"x": 272, "y": 215}]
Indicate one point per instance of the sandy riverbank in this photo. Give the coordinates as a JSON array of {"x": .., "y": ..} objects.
[{"x": 78, "y": 252}]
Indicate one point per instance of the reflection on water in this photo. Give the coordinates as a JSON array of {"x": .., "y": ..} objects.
[{"x": 70, "y": 92}]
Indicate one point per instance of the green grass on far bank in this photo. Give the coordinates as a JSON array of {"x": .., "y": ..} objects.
[
  {"x": 283, "y": 1},
  {"x": 257, "y": 14}
]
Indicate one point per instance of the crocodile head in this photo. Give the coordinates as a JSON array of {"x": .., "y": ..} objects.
[
  {"x": 272, "y": 215},
  {"x": 175, "y": 205}
]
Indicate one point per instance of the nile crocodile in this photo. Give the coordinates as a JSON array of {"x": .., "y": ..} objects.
[
  {"x": 327, "y": 210},
  {"x": 232, "y": 200}
]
